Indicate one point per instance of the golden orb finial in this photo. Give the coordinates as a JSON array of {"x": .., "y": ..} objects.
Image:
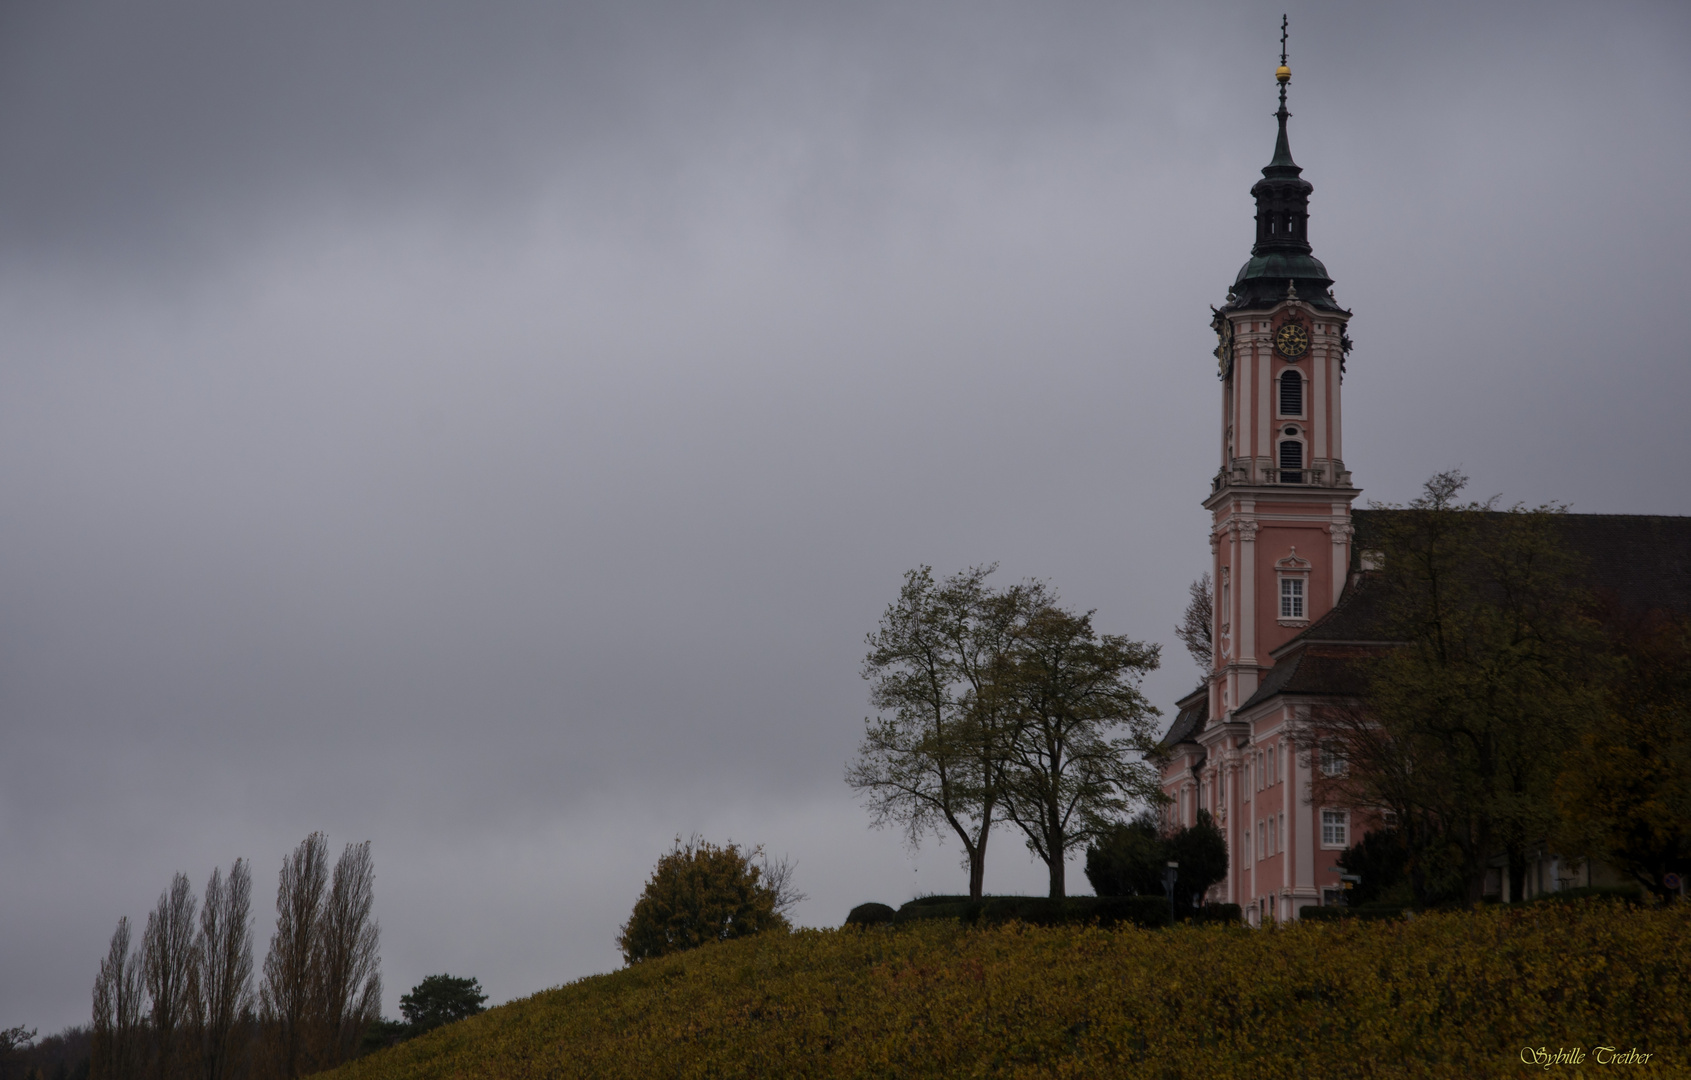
[{"x": 1283, "y": 73}]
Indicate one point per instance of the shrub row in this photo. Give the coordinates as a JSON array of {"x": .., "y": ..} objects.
[
  {"x": 1630, "y": 894},
  {"x": 1040, "y": 911},
  {"x": 1147, "y": 911},
  {"x": 1311, "y": 913}
]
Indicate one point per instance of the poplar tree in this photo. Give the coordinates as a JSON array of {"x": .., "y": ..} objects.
[
  {"x": 322, "y": 983},
  {"x": 116, "y": 1052},
  {"x": 348, "y": 961},
  {"x": 226, "y": 970},
  {"x": 287, "y": 995},
  {"x": 169, "y": 967}
]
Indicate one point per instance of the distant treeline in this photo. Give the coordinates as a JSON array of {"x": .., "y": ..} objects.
[
  {"x": 181, "y": 1003},
  {"x": 57, "y": 1057}
]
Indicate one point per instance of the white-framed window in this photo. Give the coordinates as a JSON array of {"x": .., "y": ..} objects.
[
  {"x": 1262, "y": 840},
  {"x": 1335, "y": 828},
  {"x": 1273, "y": 838},
  {"x": 1333, "y": 761},
  {"x": 1282, "y": 831},
  {"x": 1292, "y": 597}
]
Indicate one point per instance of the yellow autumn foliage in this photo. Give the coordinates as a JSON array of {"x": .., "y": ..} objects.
[{"x": 1443, "y": 995}]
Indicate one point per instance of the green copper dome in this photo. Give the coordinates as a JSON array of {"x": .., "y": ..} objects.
[{"x": 1281, "y": 259}]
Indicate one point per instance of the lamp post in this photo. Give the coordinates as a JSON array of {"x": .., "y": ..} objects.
[
  {"x": 1347, "y": 883},
  {"x": 1171, "y": 875}
]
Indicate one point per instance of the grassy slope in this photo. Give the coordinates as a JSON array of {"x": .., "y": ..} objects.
[{"x": 1445, "y": 995}]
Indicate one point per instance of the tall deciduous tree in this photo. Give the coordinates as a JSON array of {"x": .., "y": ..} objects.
[
  {"x": 348, "y": 960},
  {"x": 1466, "y": 720},
  {"x": 322, "y": 982},
  {"x": 1081, "y": 730},
  {"x": 932, "y": 760},
  {"x": 226, "y": 970},
  {"x": 1625, "y": 787},
  {"x": 169, "y": 967},
  {"x": 287, "y": 995},
  {"x": 117, "y": 1051}
]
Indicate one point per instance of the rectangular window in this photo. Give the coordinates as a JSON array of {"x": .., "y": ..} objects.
[
  {"x": 1291, "y": 597},
  {"x": 1273, "y": 838},
  {"x": 1335, "y": 828},
  {"x": 1262, "y": 846},
  {"x": 1282, "y": 832},
  {"x": 1332, "y": 760}
]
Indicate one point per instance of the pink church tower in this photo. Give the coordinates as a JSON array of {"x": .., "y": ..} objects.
[{"x": 1280, "y": 536}]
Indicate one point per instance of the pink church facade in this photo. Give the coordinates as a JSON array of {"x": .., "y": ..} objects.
[{"x": 1280, "y": 537}]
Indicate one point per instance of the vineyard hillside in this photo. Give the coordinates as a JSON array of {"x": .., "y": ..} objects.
[{"x": 1442, "y": 995}]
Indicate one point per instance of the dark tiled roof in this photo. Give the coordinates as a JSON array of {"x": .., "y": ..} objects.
[
  {"x": 1636, "y": 561},
  {"x": 1194, "y": 711},
  {"x": 1318, "y": 668},
  {"x": 1358, "y": 616}
]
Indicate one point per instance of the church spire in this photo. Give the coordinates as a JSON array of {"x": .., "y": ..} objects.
[
  {"x": 1281, "y": 258},
  {"x": 1282, "y": 148}
]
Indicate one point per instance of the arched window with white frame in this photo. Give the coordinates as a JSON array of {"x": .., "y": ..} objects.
[{"x": 1291, "y": 393}]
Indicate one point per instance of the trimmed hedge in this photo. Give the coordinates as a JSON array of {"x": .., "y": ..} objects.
[
  {"x": 1040, "y": 910},
  {"x": 869, "y": 915},
  {"x": 1333, "y": 914},
  {"x": 1632, "y": 894},
  {"x": 1225, "y": 914}
]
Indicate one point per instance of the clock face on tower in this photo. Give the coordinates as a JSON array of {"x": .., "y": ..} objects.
[{"x": 1291, "y": 340}]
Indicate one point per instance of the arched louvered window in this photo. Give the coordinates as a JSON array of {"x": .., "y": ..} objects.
[
  {"x": 1291, "y": 394},
  {"x": 1291, "y": 462}
]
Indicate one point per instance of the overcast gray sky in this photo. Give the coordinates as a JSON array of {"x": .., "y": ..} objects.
[{"x": 490, "y": 429}]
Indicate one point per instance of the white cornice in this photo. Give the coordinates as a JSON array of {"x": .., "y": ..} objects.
[{"x": 1281, "y": 493}]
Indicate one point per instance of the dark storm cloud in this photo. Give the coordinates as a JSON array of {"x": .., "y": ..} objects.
[{"x": 490, "y": 429}]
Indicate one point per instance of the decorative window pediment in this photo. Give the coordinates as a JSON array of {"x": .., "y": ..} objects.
[{"x": 1293, "y": 573}]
